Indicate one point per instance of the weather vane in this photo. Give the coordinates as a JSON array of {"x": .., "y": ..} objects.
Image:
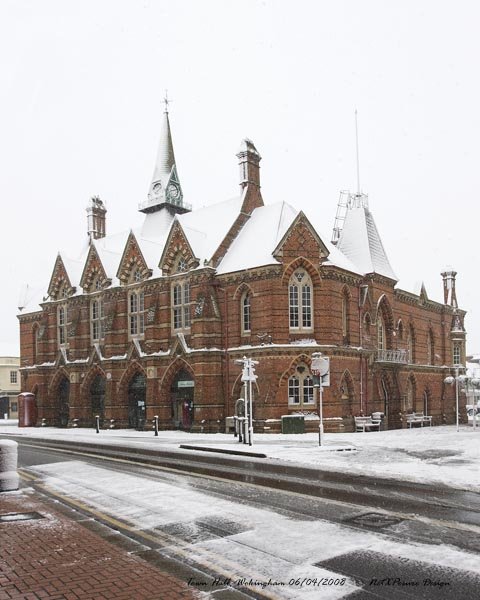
[{"x": 166, "y": 101}]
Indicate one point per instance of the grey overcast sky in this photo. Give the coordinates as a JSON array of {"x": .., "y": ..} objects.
[{"x": 82, "y": 84}]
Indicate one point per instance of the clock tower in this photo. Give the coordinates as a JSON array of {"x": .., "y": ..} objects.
[{"x": 165, "y": 189}]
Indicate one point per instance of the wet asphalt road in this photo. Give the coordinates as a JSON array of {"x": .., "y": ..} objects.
[{"x": 406, "y": 514}]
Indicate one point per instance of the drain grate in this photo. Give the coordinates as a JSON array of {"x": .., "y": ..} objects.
[
  {"x": 373, "y": 519},
  {"x": 30, "y": 516}
]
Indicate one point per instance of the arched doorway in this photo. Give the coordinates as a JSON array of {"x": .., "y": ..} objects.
[
  {"x": 137, "y": 409},
  {"x": 182, "y": 400},
  {"x": 97, "y": 398},
  {"x": 63, "y": 403}
]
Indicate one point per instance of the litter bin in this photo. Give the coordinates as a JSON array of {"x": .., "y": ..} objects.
[{"x": 293, "y": 424}]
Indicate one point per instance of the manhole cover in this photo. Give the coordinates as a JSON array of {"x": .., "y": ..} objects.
[
  {"x": 377, "y": 520},
  {"x": 9, "y": 517}
]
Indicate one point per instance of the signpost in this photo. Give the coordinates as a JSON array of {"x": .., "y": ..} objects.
[
  {"x": 248, "y": 377},
  {"x": 321, "y": 379}
]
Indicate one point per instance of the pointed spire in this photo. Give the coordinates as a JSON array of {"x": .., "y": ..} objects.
[{"x": 165, "y": 188}]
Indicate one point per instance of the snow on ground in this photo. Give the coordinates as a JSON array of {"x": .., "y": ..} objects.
[
  {"x": 263, "y": 544},
  {"x": 426, "y": 455}
]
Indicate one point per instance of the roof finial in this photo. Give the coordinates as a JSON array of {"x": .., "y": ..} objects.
[
  {"x": 358, "y": 160},
  {"x": 166, "y": 101}
]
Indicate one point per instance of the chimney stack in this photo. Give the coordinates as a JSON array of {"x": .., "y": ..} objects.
[{"x": 96, "y": 218}]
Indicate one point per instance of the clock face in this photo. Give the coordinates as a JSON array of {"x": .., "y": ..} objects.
[
  {"x": 173, "y": 191},
  {"x": 156, "y": 188}
]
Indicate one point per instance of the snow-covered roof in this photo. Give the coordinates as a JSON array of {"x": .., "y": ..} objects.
[
  {"x": 206, "y": 227},
  {"x": 258, "y": 238},
  {"x": 360, "y": 242}
]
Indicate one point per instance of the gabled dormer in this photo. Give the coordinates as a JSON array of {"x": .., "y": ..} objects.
[
  {"x": 133, "y": 267},
  {"x": 177, "y": 256},
  {"x": 301, "y": 239},
  {"x": 94, "y": 277},
  {"x": 60, "y": 285}
]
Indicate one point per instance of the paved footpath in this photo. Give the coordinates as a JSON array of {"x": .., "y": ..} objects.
[{"x": 56, "y": 558}]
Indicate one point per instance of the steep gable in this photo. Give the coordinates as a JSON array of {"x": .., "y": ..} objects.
[
  {"x": 132, "y": 260},
  {"x": 177, "y": 247},
  {"x": 93, "y": 272},
  {"x": 59, "y": 280},
  {"x": 301, "y": 239}
]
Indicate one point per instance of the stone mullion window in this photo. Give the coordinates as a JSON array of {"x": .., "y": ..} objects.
[
  {"x": 293, "y": 306},
  {"x": 245, "y": 308},
  {"x": 300, "y": 301},
  {"x": 62, "y": 324},
  {"x": 181, "y": 319},
  {"x": 300, "y": 388},
  {"x": 97, "y": 320},
  {"x": 293, "y": 390},
  {"x": 137, "y": 313}
]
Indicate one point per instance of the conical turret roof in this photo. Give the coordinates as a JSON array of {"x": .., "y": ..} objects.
[{"x": 360, "y": 242}]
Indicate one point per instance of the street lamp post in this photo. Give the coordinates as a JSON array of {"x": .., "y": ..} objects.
[{"x": 449, "y": 380}]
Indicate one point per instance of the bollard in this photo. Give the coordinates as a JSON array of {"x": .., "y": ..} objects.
[
  {"x": 74, "y": 422},
  {"x": 112, "y": 423},
  {"x": 97, "y": 423},
  {"x": 155, "y": 425},
  {"x": 8, "y": 466},
  {"x": 44, "y": 422}
]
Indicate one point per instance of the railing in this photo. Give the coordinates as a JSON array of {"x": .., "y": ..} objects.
[{"x": 392, "y": 356}]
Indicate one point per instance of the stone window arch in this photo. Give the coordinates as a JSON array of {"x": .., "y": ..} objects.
[
  {"x": 381, "y": 333},
  {"x": 430, "y": 348},
  {"x": 411, "y": 344},
  {"x": 136, "y": 313},
  {"x": 181, "y": 306},
  {"x": 345, "y": 316},
  {"x": 300, "y": 294},
  {"x": 400, "y": 330},
  {"x": 97, "y": 319},
  {"x": 300, "y": 387},
  {"x": 245, "y": 311},
  {"x": 62, "y": 317}
]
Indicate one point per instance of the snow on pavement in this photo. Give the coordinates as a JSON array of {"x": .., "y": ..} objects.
[{"x": 427, "y": 455}]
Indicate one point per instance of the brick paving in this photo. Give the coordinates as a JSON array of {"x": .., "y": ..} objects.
[{"x": 56, "y": 558}]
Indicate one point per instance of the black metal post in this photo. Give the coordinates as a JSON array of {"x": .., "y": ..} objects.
[
  {"x": 155, "y": 425},
  {"x": 97, "y": 423}
]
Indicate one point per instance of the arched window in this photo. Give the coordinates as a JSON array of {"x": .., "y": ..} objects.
[
  {"x": 300, "y": 387},
  {"x": 457, "y": 354},
  {"x": 300, "y": 301},
  {"x": 97, "y": 320},
  {"x": 430, "y": 348},
  {"x": 181, "y": 306},
  {"x": 62, "y": 324},
  {"x": 345, "y": 318},
  {"x": 400, "y": 330},
  {"x": 381, "y": 341},
  {"x": 411, "y": 344},
  {"x": 136, "y": 313},
  {"x": 245, "y": 312}
]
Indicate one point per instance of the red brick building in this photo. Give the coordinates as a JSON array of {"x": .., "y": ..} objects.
[{"x": 150, "y": 321}]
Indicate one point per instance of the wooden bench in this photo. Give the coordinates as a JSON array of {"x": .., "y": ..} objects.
[
  {"x": 366, "y": 424},
  {"x": 418, "y": 418}
]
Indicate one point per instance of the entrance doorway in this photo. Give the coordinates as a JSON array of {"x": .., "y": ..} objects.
[
  {"x": 137, "y": 409},
  {"x": 63, "y": 403},
  {"x": 182, "y": 392},
  {"x": 97, "y": 398}
]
